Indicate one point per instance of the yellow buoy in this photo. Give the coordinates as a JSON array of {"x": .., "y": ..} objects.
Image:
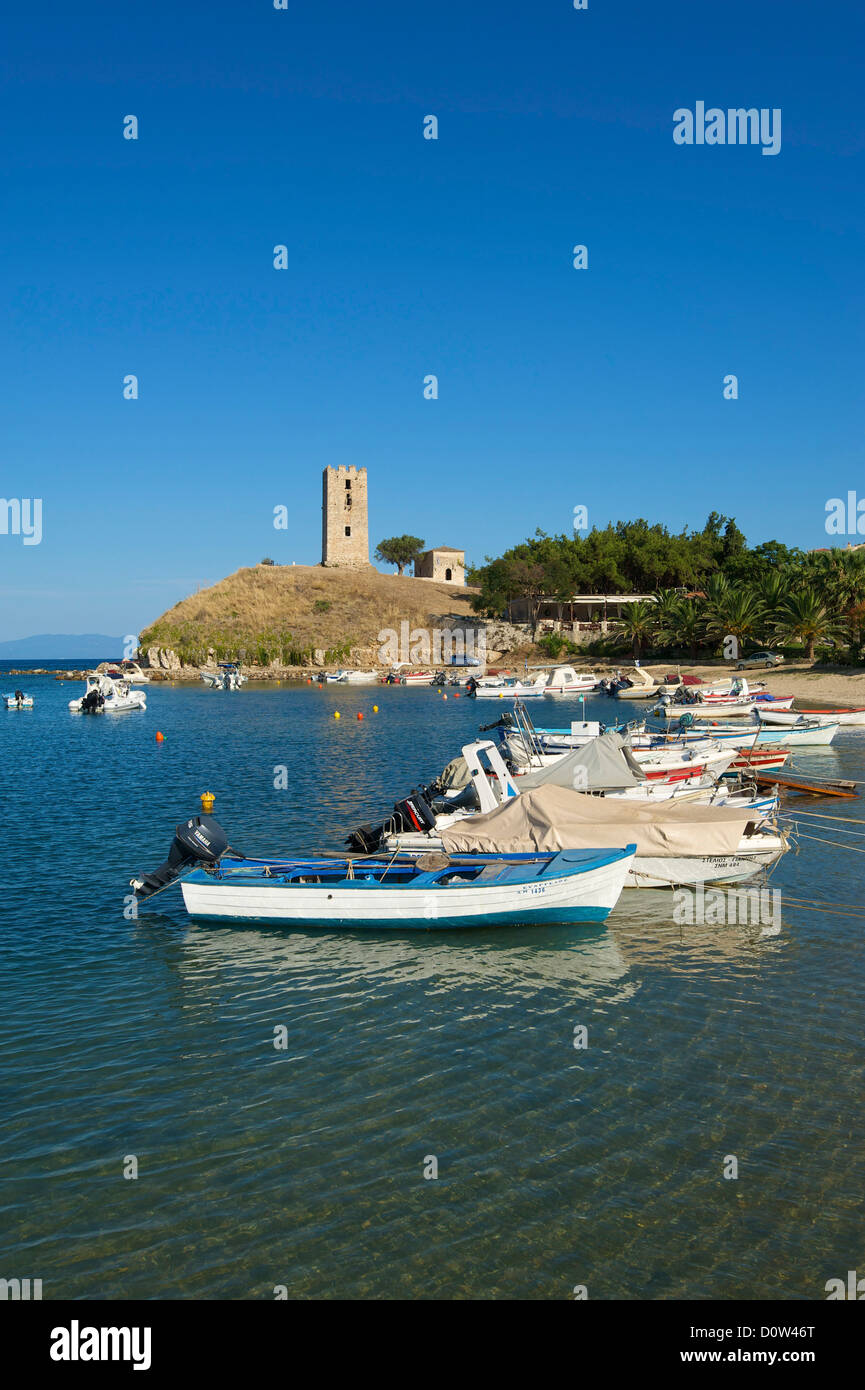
[
  {"x": 207, "y": 800},
  {"x": 375, "y": 709},
  {"x": 336, "y": 714}
]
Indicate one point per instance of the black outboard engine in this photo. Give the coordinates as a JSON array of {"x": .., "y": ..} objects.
[
  {"x": 471, "y": 685},
  {"x": 413, "y": 813},
  {"x": 506, "y": 722},
  {"x": 92, "y": 702},
  {"x": 200, "y": 839}
]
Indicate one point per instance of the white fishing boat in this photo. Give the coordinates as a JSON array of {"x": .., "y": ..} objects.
[
  {"x": 18, "y": 700},
  {"x": 563, "y": 680},
  {"x": 499, "y": 688},
  {"x": 417, "y": 677},
  {"x": 676, "y": 845},
  {"x": 793, "y": 719},
  {"x": 131, "y": 672},
  {"x": 352, "y": 678},
  {"x": 374, "y": 892},
  {"x": 845, "y": 717},
  {"x": 227, "y": 676},
  {"x": 104, "y": 694}
]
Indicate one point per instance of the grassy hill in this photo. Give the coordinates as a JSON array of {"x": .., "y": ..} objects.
[{"x": 286, "y": 612}]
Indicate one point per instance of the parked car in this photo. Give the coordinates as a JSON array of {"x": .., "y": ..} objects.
[{"x": 760, "y": 659}]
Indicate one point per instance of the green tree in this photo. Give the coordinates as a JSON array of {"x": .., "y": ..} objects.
[
  {"x": 399, "y": 551},
  {"x": 638, "y": 625},
  {"x": 805, "y": 618}
]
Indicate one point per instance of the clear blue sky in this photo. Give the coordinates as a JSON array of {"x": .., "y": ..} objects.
[{"x": 407, "y": 257}]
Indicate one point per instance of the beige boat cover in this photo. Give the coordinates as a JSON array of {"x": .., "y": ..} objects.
[{"x": 554, "y": 818}]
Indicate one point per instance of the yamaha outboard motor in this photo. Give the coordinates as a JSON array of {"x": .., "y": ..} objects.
[
  {"x": 92, "y": 702},
  {"x": 200, "y": 839}
]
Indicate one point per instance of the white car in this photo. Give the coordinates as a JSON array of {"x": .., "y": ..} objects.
[{"x": 760, "y": 659}]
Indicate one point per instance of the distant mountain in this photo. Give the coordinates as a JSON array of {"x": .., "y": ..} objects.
[{"x": 63, "y": 646}]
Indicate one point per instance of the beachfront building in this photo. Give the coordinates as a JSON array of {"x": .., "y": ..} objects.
[{"x": 583, "y": 618}]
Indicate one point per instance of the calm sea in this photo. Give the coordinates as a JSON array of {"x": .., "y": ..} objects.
[{"x": 153, "y": 1040}]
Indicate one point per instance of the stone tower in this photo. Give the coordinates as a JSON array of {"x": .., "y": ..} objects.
[{"x": 344, "y": 524}]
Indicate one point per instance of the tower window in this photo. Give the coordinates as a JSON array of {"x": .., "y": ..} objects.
[
  {"x": 348, "y": 484},
  {"x": 448, "y": 576},
  {"x": 348, "y": 530}
]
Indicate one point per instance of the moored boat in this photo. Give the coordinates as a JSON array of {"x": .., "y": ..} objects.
[
  {"x": 105, "y": 695},
  {"x": 377, "y": 892},
  {"x": 18, "y": 700},
  {"x": 351, "y": 678}
]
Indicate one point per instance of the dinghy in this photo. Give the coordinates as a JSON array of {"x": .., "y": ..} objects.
[
  {"x": 105, "y": 695},
  {"x": 18, "y": 701},
  {"x": 375, "y": 892},
  {"x": 227, "y": 676}
]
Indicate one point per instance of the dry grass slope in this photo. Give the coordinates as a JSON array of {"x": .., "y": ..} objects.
[{"x": 284, "y": 612}]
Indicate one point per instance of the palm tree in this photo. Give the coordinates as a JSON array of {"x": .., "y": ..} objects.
[
  {"x": 772, "y": 591},
  {"x": 684, "y": 625},
  {"x": 638, "y": 625},
  {"x": 805, "y": 618},
  {"x": 741, "y": 615}
]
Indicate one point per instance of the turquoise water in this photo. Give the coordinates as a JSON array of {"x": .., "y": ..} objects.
[{"x": 304, "y": 1167}]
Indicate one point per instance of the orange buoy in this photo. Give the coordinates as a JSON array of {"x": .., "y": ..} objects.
[
  {"x": 456, "y": 694},
  {"x": 160, "y": 737},
  {"x": 320, "y": 686},
  {"x": 444, "y": 697}
]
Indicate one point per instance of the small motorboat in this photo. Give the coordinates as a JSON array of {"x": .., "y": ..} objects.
[
  {"x": 351, "y": 678},
  {"x": 227, "y": 676},
  {"x": 498, "y": 688},
  {"x": 643, "y": 688},
  {"x": 18, "y": 701},
  {"x": 564, "y": 680},
  {"x": 376, "y": 892},
  {"x": 417, "y": 677},
  {"x": 104, "y": 694}
]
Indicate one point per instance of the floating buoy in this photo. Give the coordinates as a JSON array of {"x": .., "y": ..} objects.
[
  {"x": 336, "y": 714},
  {"x": 320, "y": 686},
  {"x": 207, "y": 800},
  {"x": 456, "y": 694},
  {"x": 444, "y": 697},
  {"x": 160, "y": 737},
  {"x": 359, "y": 715},
  {"x": 375, "y": 709}
]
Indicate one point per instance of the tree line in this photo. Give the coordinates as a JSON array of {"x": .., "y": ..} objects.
[{"x": 707, "y": 586}]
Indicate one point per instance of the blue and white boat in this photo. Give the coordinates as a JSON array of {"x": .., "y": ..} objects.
[
  {"x": 388, "y": 891},
  {"x": 479, "y": 890},
  {"x": 18, "y": 701}
]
